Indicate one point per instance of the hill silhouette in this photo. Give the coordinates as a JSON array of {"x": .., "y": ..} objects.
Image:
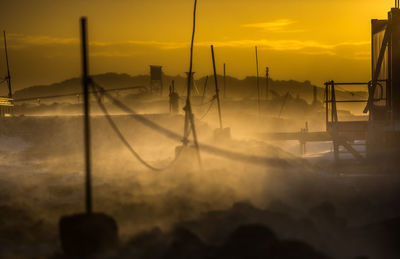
[{"x": 235, "y": 88}]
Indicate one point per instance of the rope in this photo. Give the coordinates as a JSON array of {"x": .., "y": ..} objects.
[
  {"x": 202, "y": 104},
  {"x": 126, "y": 143},
  {"x": 209, "y": 108},
  {"x": 235, "y": 156},
  {"x": 168, "y": 133}
]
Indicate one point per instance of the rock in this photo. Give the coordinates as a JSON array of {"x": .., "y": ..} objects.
[{"x": 88, "y": 234}]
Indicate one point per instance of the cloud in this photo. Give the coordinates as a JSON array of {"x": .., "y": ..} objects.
[
  {"x": 276, "y": 25},
  {"x": 286, "y": 45},
  {"x": 21, "y": 41},
  {"x": 356, "y": 49},
  {"x": 280, "y": 25}
]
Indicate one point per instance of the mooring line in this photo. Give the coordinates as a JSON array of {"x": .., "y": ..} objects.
[{"x": 126, "y": 143}]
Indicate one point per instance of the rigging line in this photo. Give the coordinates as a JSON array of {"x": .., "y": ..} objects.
[
  {"x": 126, "y": 143},
  {"x": 208, "y": 110},
  {"x": 4, "y": 80},
  {"x": 75, "y": 94},
  {"x": 235, "y": 156},
  {"x": 202, "y": 104},
  {"x": 170, "y": 134}
]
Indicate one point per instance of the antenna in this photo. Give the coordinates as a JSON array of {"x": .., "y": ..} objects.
[{"x": 8, "y": 78}]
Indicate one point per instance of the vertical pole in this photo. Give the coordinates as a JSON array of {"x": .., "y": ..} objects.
[
  {"x": 191, "y": 82},
  {"x": 8, "y": 67},
  {"x": 170, "y": 97},
  {"x": 258, "y": 84},
  {"x": 161, "y": 86},
  {"x": 332, "y": 104},
  {"x": 266, "y": 83},
  {"x": 327, "y": 105},
  {"x": 216, "y": 87},
  {"x": 224, "y": 81},
  {"x": 335, "y": 132},
  {"x": 305, "y": 142},
  {"x": 204, "y": 90},
  {"x": 334, "y": 109},
  {"x": 188, "y": 108},
  {"x": 85, "y": 84}
]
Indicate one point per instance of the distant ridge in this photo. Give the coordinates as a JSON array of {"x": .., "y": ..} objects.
[{"x": 236, "y": 88}]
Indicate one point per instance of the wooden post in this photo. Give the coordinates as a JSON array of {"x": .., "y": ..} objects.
[
  {"x": 216, "y": 87},
  {"x": 85, "y": 84}
]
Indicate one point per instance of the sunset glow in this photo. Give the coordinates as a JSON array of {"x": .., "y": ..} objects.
[{"x": 301, "y": 40}]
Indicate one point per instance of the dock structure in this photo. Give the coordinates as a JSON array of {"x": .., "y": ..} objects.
[
  {"x": 6, "y": 106},
  {"x": 380, "y": 134}
]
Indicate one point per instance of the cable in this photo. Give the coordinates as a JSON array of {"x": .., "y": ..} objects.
[{"x": 126, "y": 143}]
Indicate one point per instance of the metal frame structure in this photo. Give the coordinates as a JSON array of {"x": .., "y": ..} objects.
[
  {"x": 382, "y": 130},
  {"x": 380, "y": 134},
  {"x": 7, "y": 102},
  {"x": 343, "y": 133}
]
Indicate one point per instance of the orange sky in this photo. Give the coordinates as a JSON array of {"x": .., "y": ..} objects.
[{"x": 302, "y": 40}]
